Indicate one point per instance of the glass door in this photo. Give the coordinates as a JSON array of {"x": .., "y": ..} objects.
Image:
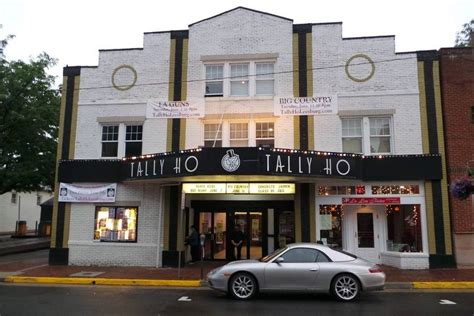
[
  {"x": 213, "y": 226},
  {"x": 246, "y": 237}
]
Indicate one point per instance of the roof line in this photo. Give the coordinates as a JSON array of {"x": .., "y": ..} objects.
[
  {"x": 119, "y": 49},
  {"x": 365, "y": 37},
  {"x": 240, "y": 7},
  {"x": 161, "y": 32}
]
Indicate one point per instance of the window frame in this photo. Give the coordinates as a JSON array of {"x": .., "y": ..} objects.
[
  {"x": 366, "y": 134},
  {"x": 96, "y": 211},
  {"x": 127, "y": 141},
  {"x": 261, "y": 79},
  {"x": 206, "y": 94},
  {"x": 14, "y": 197},
  {"x": 214, "y": 140},
  {"x": 265, "y": 138},
  {"x": 239, "y": 139},
  {"x": 102, "y": 141},
  {"x": 361, "y": 137}
]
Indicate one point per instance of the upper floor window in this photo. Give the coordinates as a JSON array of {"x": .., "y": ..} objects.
[
  {"x": 133, "y": 140},
  {"x": 38, "y": 199},
  {"x": 367, "y": 135},
  {"x": 214, "y": 80},
  {"x": 212, "y": 135},
  {"x": 13, "y": 199},
  {"x": 239, "y": 134},
  {"x": 240, "y": 79},
  {"x": 265, "y": 134},
  {"x": 264, "y": 79},
  {"x": 110, "y": 140}
]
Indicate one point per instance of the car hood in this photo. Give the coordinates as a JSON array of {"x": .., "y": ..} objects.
[{"x": 241, "y": 262}]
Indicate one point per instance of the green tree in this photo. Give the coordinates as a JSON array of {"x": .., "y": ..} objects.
[
  {"x": 464, "y": 37},
  {"x": 29, "y": 115}
]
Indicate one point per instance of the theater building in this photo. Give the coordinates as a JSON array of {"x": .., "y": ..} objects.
[{"x": 291, "y": 131}]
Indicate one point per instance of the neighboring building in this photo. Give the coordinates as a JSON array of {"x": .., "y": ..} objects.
[
  {"x": 364, "y": 171},
  {"x": 23, "y": 206},
  {"x": 457, "y": 83}
]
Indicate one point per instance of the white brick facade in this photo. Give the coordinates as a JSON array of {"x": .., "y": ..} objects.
[{"x": 237, "y": 36}]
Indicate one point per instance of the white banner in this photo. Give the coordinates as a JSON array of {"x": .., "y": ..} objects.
[
  {"x": 317, "y": 105},
  {"x": 174, "y": 109},
  {"x": 87, "y": 194}
]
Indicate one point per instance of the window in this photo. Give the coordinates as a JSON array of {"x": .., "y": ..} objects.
[
  {"x": 322, "y": 257},
  {"x": 110, "y": 140},
  {"x": 239, "y": 81},
  {"x": 300, "y": 255},
  {"x": 214, "y": 80},
  {"x": 264, "y": 79},
  {"x": 239, "y": 134},
  {"x": 212, "y": 135},
  {"x": 366, "y": 135},
  {"x": 341, "y": 190},
  {"x": 13, "y": 199},
  {"x": 352, "y": 135},
  {"x": 117, "y": 224},
  {"x": 404, "y": 228},
  {"x": 330, "y": 225},
  {"x": 379, "y": 135},
  {"x": 395, "y": 189},
  {"x": 38, "y": 199},
  {"x": 133, "y": 140},
  {"x": 265, "y": 134}
]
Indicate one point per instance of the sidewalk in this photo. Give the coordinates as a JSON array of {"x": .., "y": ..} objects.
[
  {"x": 37, "y": 270},
  {"x": 9, "y": 245}
]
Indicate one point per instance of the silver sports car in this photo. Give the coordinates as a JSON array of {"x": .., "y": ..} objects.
[{"x": 299, "y": 267}]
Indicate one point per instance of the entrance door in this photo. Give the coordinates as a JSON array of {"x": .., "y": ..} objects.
[
  {"x": 250, "y": 223},
  {"x": 213, "y": 225},
  {"x": 367, "y": 235}
]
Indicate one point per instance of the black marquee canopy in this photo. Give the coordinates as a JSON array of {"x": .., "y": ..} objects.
[{"x": 256, "y": 161}]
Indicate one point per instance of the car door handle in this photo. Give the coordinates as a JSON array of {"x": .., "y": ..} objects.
[{"x": 313, "y": 269}]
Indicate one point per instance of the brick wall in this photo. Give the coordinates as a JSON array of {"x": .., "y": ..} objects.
[{"x": 457, "y": 80}]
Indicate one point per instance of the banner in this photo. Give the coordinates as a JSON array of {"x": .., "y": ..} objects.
[
  {"x": 87, "y": 194},
  {"x": 174, "y": 109},
  {"x": 317, "y": 105}
]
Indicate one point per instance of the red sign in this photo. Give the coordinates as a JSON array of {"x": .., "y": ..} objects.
[{"x": 381, "y": 200}]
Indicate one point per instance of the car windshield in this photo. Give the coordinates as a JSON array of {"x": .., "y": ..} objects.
[{"x": 272, "y": 255}]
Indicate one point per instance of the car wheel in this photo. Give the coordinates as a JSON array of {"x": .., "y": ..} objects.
[
  {"x": 345, "y": 287},
  {"x": 243, "y": 286}
]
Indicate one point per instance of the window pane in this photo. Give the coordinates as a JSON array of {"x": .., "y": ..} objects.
[
  {"x": 239, "y": 71},
  {"x": 380, "y": 144},
  {"x": 212, "y": 131},
  {"x": 365, "y": 230},
  {"x": 265, "y": 71},
  {"x": 214, "y": 72},
  {"x": 265, "y": 130},
  {"x": 214, "y": 88},
  {"x": 330, "y": 217},
  {"x": 379, "y": 126},
  {"x": 264, "y": 87},
  {"x": 110, "y": 133},
  {"x": 300, "y": 255},
  {"x": 352, "y": 145},
  {"x": 351, "y": 127},
  {"x": 322, "y": 257},
  {"x": 134, "y": 132},
  {"x": 404, "y": 228},
  {"x": 240, "y": 87},
  {"x": 109, "y": 149},
  {"x": 116, "y": 224},
  {"x": 238, "y": 130},
  {"x": 133, "y": 149}
]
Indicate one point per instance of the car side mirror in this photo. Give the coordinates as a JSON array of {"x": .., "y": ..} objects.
[{"x": 280, "y": 260}]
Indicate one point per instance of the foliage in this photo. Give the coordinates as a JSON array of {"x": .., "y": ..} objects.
[
  {"x": 29, "y": 110},
  {"x": 462, "y": 187},
  {"x": 463, "y": 37}
]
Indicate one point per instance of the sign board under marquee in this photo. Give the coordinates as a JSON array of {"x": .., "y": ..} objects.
[
  {"x": 317, "y": 105},
  {"x": 174, "y": 109},
  {"x": 100, "y": 193},
  {"x": 367, "y": 201},
  {"x": 239, "y": 188}
]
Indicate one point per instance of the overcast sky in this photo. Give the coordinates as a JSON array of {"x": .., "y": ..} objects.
[{"x": 73, "y": 31}]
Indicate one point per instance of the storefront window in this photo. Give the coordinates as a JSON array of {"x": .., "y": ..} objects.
[
  {"x": 117, "y": 224},
  {"x": 395, "y": 189},
  {"x": 330, "y": 219},
  {"x": 341, "y": 190},
  {"x": 404, "y": 228}
]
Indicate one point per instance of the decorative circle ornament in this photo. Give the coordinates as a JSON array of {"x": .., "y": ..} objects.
[
  {"x": 230, "y": 161},
  {"x": 364, "y": 61},
  {"x": 124, "y": 77}
]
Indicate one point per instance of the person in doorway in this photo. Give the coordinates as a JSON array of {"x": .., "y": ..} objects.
[
  {"x": 193, "y": 241},
  {"x": 237, "y": 241}
]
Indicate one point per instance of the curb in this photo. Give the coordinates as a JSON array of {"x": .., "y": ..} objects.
[
  {"x": 444, "y": 285},
  {"x": 102, "y": 281}
]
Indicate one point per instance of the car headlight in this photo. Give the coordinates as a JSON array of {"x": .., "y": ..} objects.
[{"x": 212, "y": 272}]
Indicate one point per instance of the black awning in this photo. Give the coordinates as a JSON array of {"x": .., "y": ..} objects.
[{"x": 253, "y": 161}]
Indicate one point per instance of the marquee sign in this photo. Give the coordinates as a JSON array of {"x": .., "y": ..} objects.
[
  {"x": 317, "y": 105},
  {"x": 243, "y": 161},
  {"x": 239, "y": 188},
  {"x": 364, "y": 201}
]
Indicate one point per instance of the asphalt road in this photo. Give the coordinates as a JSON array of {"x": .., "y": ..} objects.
[{"x": 95, "y": 300}]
